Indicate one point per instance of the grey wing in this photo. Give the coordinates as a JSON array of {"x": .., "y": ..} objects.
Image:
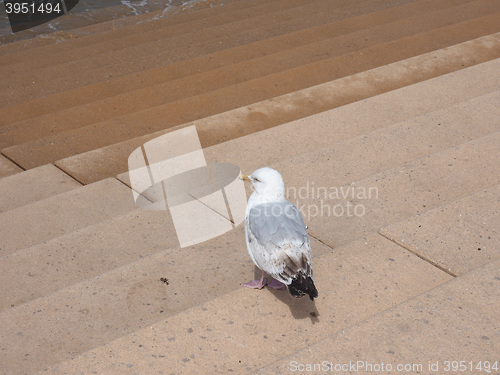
[{"x": 278, "y": 239}]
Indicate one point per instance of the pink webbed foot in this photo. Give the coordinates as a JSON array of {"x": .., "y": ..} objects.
[
  {"x": 256, "y": 284},
  {"x": 275, "y": 284}
]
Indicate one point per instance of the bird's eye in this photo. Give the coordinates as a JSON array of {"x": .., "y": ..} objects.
[{"x": 256, "y": 179}]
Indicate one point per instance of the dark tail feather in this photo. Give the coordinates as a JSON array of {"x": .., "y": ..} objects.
[{"x": 301, "y": 285}]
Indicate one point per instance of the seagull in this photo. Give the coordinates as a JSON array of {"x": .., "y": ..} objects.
[{"x": 276, "y": 237}]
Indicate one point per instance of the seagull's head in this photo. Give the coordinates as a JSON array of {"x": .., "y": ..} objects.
[{"x": 267, "y": 182}]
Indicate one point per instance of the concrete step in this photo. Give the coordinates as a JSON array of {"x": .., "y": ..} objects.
[
  {"x": 372, "y": 114},
  {"x": 58, "y": 263},
  {"x": 459, "y": 237},
  {"x": 419, "y": 332},
  {"x": 220, "y": 333},
  {"x": 63, "y": 213},
  {"x": 409, "y": 109},
  {"x": 247, "y": 62},
  {"x": 246, "y": 329},
  {"x": 150, "y": 55},
  {"x": 7, "y": 167},
  {"x": 392, "y": 195},
  {"x": 97, "y": 37},
  {"x": 91, "y": 34},
  {"x": 33, "y": 185},
  {"x": 415, "y": 99},
  {"x": 61, "y": 145},
  {"x": 409, "y": 139},
  {"x": 141, "y": 80},
  {"x": 122, "y": 300},
  {"x": 381, "y": 264}
]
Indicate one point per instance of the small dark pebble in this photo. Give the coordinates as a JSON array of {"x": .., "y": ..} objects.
[{"x": 164, "y": 280}]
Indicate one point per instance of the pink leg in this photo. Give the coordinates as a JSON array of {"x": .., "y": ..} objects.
[
  {"x": 257, "y": 284},
  {"x": 275, "y": 284}
]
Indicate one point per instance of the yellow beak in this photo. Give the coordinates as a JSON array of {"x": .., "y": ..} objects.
[{"x": 245, "y": 178}]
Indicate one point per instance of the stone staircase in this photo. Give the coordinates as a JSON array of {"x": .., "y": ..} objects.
[{"x": 399, "y": 99}]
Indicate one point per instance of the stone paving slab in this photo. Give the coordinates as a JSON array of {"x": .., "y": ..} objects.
[
  {"x": 456, "y": 321},
  {"x": 459, "y": 237},
  {"x": 195, "y": 65},
  {"x": 389, "y": 196},
  {"x": 409, "y": 140},
  {"x": 246, "y": 329},
  {"x": 411, "y": 101},
  {"x": 238, "y": 65},
  {"x": 99, "y": 43},
  {"x": 33, "y": 185},
  {"x": 146, "y": 55},
  {"x": 94, "y": 33},
  {"x": 347, "y": 156},
  {"x": 7, "y": 167},
  {"x": 44, "y": 268},
  {"x": 63, "y": 213},
  {"x": 120, "y": 301},
  {"x": 428, "y": 137},
  {"x": 123, "y": 352},
  {"x": 61, "y": 145}
]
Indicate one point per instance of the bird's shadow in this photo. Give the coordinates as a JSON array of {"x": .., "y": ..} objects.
[{"x": 300, "y": 308}]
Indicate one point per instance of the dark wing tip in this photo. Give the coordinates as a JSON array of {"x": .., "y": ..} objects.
[{"x": 301, "y": 285}]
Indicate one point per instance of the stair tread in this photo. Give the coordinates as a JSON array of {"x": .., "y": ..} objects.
[
  {"x": 228, "y": 326},
  {"x": 61, "y": 145},
  {"x": 232, "y": 66},
  {"x": 420, "y": 332},
  {"x": 8, "y": 168},
  {"x": 218, "y": 334},
  {"x": 127, "y": 298},
  {"x": 397, "y": 193},
  {"x": 203, "y": 63},
  {"x": 436, "y": 98},
  {"x": 458, "y": 236},
  {"x": 63, "y": 213},
  {"x": 33, "y": 185},
  {"x": 447, "y": 89},
  {"x": 150, "y": 55}
]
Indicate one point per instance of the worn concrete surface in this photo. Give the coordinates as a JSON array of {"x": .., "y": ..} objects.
[
  {"x": 244, "y": 329},
  {"x": 459, "y": 237},
  {"x": 100, "y": 134},
  {"x": 89, "y": 166},
  {"x": 454, "y": 322},
  {"x": 63, "y": 213},
  {"x": 7, "y": 167},
  {"x": 33, "y": 185},
  {"x": 400, "y": 97}
]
